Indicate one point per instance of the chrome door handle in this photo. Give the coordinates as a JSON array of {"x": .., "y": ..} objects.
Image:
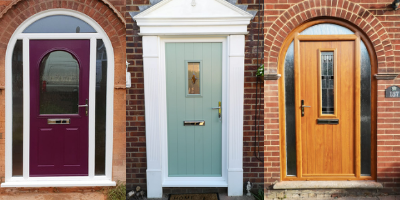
[
  {"x": 85, "y": 106},
  {"x": 219, "y": 110},
  {"x": 302, "y": 108}
]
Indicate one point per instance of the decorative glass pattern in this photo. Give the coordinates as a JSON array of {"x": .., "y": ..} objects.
[
  {"x": 59, "y": 24},
  {"x": 194, "y": 78},
  {"x": 17, "y": 110},
  {"x": 59, "y": 83},
  {"x": 327, "y": 82}
]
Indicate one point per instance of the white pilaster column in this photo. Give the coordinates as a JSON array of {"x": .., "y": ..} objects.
[
  {"x": 151, "y": 65},
  {"x": 235, "y": 112}
]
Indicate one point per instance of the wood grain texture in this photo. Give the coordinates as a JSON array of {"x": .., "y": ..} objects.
[
  {"x": 338, "y": 139},
  {"x": 318, "y": 140}
]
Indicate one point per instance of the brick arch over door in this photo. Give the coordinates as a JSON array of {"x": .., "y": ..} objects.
[
  {"x": 342, "y": 9},
  {"x": 99, "y": 10},
  {"x": 108, "y": 3}
]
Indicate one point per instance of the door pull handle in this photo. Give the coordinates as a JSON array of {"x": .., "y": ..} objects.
[
  {"x": 219, "y": 110},
  {"x": 302, "y": 108},
  {"x": 86, "y": 106}
]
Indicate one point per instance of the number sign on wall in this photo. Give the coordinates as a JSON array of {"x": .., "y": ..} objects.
[{"x": 393, "y": 92}]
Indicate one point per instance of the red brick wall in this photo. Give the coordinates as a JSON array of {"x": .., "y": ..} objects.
[
  {"x": 120, "y": 5},
  {"x": 136, "y": 146},
  {"x": 4, "y": 3},
  {"x": 378, "y": 20},
  {"x": 115, "y": 28},
  {"x": 135, "y": 124}
]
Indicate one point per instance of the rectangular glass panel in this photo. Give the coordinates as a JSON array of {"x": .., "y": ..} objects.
[
  {"x": 327, "y": 82},
  {"x": 194, "y": 78},
  {"x": 17, "y": 109},
  {"x": 291, "y": 159},
  {"x": 365, "y": 111},
  {"x": 101, "y": 92}
]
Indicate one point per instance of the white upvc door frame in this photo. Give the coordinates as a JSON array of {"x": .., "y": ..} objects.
[
  {"x": 60, "y": 181},
  {"x": 156, "y": 115}
]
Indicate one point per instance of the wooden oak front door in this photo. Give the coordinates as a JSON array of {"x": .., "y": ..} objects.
[{"x": 327, "y": 92}]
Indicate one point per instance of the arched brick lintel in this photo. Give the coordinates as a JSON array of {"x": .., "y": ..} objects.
[
  {"x": 342, "y": 9},
  {"x": 106, "y": 2}
]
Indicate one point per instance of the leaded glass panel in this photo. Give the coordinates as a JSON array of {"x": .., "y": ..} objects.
[{"x": 327, "y": 80}]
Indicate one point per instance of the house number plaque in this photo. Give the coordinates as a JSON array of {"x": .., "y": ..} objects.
[{"x": 392, "y": 92}]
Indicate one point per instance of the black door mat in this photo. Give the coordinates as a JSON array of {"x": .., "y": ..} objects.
[{"x": 208, "y": 196}]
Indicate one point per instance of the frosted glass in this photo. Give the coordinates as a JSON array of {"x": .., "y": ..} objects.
[
  {"x": 365, "y": 111},
  {"x": 101, "y": 93},
  {"x": 17, "y": 109},
  {"x": 59, "y": 24},
  {"x": 326, "y": 29},
  {"x": 59, "y": 83},
  {"x": 290, "y": 113}
]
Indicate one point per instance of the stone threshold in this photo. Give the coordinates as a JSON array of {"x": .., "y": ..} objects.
[{"x": 328, "y": 185}]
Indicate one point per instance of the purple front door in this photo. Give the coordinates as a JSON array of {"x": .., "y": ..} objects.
[{"x": 59, "y": 82}]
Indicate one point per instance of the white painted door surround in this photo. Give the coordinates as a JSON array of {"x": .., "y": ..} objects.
[{"x": 206, "y": 21}]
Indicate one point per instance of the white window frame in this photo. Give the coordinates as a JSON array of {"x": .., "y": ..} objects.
[{"x": 59, "y": 181}]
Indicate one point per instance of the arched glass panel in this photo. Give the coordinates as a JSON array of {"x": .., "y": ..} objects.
[
  {"x": 326, "y": 29},
  {"x": 59, "y": 24},
  {"x": 59, "y": 83},
  {"x": 291, "y": 159}
]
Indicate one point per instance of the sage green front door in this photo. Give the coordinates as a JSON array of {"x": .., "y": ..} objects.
[{"x": 194, "y": 93}]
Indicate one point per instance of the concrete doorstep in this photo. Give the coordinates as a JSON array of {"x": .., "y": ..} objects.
[{"x": 222, "y": 196}]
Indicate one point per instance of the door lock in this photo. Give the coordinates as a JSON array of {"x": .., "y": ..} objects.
[
  {"x": 302, "y": 108},
  {"x": 86, "y": 107},
  {"x": 219, "y": 110}
]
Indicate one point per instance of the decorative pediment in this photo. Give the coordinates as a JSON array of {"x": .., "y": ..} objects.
[{"x": 174, "y": 17}]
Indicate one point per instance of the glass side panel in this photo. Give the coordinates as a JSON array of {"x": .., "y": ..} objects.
[
  {"x": 17, "y": 109},
  {"x": 290, "y": 113},
  {"x": 59, "y": 24},
  {"x": 326, "y": 29},
  {"x": 101, "y": 92},
  {"x": 365, "y": 111},
  {"x": 194, "y": 78},
  {"x": 59, "y": 83},
  {"x": 327, "y": 82}
]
